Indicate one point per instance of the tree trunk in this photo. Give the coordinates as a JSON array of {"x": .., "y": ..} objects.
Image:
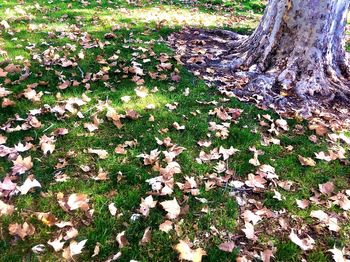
[
  {"x": 294, "y": 62},
  {"x": 298, "y": 48}
]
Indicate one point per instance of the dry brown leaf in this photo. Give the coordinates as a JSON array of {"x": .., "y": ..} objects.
[
  {"x": 172, "y": 207},
  {"x": 21, "y": 165},
  {"x": 326, "y": 188},
  {"x": 249, "y": 231},
  {"x": 57, "y": 244},
  {"x": 6, "y": 209},
  {"x": 102, "y": 154},
  {"x": 121, "y": 239},
  {"x": 187, "y": 253},
  {"x": 166, "y": 226},
  {"x": 28, "y": 184},
  {"x": 304, "y": 203},
  {"x": 112, "y": 209},
  {"x": 305, "y": 244},
  {"x": 21, "y": 230},
  {"x": 146, "y": 236},
  {"x": 227, "y": 246},
  {"x": 306, "y": 161},
  {"x": 146, "y": 204},
  {"x": 74, "y": 248}
]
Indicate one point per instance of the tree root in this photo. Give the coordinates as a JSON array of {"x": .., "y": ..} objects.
[{"x": 301, "y": 94}]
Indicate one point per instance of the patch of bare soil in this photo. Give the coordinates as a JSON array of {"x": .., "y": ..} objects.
[{"x": 205, "y": 52}]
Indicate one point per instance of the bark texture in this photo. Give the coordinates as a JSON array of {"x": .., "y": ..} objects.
[
  {"x": 294, "y": 62},
  {"x": 299, "y": 47}
]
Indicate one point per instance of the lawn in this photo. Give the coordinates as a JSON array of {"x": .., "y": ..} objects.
[{"x": 109, "y": 139}]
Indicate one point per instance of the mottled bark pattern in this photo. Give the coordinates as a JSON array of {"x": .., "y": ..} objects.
[{"x": 299, "y": 45}]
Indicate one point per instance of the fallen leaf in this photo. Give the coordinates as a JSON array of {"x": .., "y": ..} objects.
[
  {"x": 172, "y": 207},
  {"x": 102, "y": 154},
  {"x": 6, "y": 209},
  {"x": 186, "y": 253},
  {"x": 121, "y": 239},
  {"x": 57, "y": 244},
  {"x": 227, "y": 246},
  {"x": 96, "y": 249},
  {"x": 305, "y": 244},
  {"x": 338, "y": 254},
  {"x": 326, "y": 188},
  {"x": 146, "y": 204},
  {"x": 75, "y": 248},
  {"x": 306, "y": 161},
  {"x": 166, "y": 226},
  {"x": 21, "y": 230},
  {"x": 146, "y": 236},
  {"x": 28, "y": 184},
  {"x": 21, "y": 165},
  {"x": 112, "y": 209},
  {"x": 249, "y": 231},
  {"x": 303, "y": 203}
]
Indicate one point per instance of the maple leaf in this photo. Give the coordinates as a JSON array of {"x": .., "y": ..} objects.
[
  {"x": 249, "y": 231},
  {"x": 177, "y": 126},
  {"x": 255, "y": 161},
  {"x": 266, "y": 255},
  {"x": 47, "y": 218},
  {"x": 7, "y": 184},
  {"x": 249, "y": 216},
  {"x": 146, "y": 236},
  {"x": 150, "y": 159},
  {"x": 172, "y": 207},
  {"x": 21, "y": 165},
  {"x": 141, "y": 91},
  {"x": 57, "y": 244},
  {"x": 303, "y": 203},
  {"x": 146, "y": 204},
  {"x": 320, "y": 129},
  {"x": 132, "y": 114},
  {"x": 7, "y": 103},
  {"x": 326, "y": 188},
  {"x": 28, "y": 184},
  {"x": 74, "y": 248},
  {"x": 76, "y": 201},
  {"x": 6, "y": 209},
  {"x": 338, "y": 254},
  {"x": 330, "y": 222},
  {"x": 21, "y": 230},
  {"x": 71, "y": 233},
  {"x": 2, "y": 74},
  {"x": 305, "y": 244},
  {"x": 38, "y": 249},
  {"x": 12, "y": 68},
  {"x": 281, "y": 123},
  {"x": 121, "y": 239},
  {"x": 306, "y": 161},
  {"x": 64, "y": 85},
  {"x": 102, "y": 154},
  {"x": 187, "y": 253},
  {"x": 166, "y": 226},
  {"x": 96, "y": 249},
  {"x": 3, "y": 139},
  {"x": 227, "y": 246},
  {"x": 112, "y": 209},
  {"x": 341, "y": 200}
]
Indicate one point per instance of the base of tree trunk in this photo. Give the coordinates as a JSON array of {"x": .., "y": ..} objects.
[{"x": 237, "y": 68}]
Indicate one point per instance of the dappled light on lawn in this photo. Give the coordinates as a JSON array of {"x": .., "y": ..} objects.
[{"x": 111, "y": 150}]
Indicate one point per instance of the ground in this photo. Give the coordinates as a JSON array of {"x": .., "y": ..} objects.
[{"x": 90, "y": 88}]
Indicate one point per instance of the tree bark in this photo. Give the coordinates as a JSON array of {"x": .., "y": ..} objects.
[{"x": 299, "y": 48}]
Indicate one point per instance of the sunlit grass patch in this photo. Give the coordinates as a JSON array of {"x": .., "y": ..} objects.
[{"x": 91, "y": 32}]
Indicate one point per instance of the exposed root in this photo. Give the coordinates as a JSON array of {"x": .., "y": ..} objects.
[{"x": 290, "y": 90}]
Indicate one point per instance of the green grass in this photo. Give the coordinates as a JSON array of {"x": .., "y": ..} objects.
[{"x": 134, "y": 31}]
